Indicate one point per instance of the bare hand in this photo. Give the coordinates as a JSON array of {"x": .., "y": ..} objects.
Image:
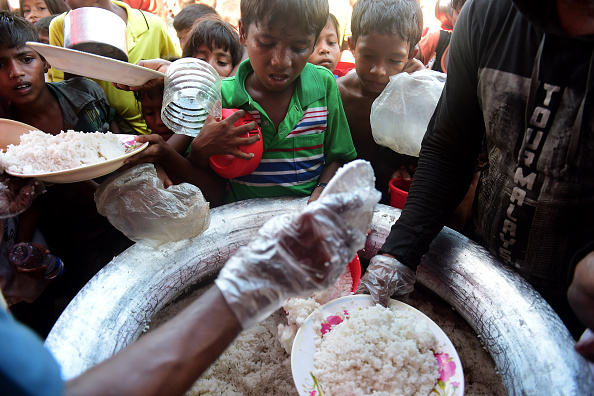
[
  {"x": 159, "y": 65},
  {"x": 17, "y": 194},
  {"x": 585, "y": 346},
  {"x": 413, "y": 65},
  {"x": 162, "y": 175},
  {"x": 222, "y": 137},
  {"x": 152, "y": 154},
  {"x": 404, "y": 172}
]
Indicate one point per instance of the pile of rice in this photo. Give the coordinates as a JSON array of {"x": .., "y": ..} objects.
[
  {"x": 377, "y": 351},
  {"x": 41, "y": 152},
  {"x": 298, "y": 309}
]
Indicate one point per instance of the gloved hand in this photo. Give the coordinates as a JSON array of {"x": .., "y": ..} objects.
[
  {"x": 296, "y": 254},
  {"x": 386, "y": 277}
]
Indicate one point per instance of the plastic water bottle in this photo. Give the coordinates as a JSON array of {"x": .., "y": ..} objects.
[{"x": 29, "y": 256}]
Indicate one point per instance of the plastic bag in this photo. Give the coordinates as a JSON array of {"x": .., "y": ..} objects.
[
  {"x": 136, "y": 203},
  {"x": 401, "y": 113}
]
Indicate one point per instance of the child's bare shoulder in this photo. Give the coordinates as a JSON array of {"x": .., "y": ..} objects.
[{"x": 349, "y": 87}]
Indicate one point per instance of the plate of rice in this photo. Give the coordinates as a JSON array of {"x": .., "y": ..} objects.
[
  {"x": 69, "y": 156},
  {"x": 352, "y": 347}
]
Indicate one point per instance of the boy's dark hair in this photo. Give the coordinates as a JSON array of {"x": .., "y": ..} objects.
[
  {"x": 42, "y": 25},
  {"x": 151, "y": 92},
  {"x": 211, "y": 30},
  {"x": 15, "y": 31},
  {"x": 188, "y": 15},
  {"x": 388, "y": 17},
  {"x": 53, "y": 6},
  {"x": 457, "y": 4},
  {"x": 336, "y": 24},
  {"x": 311, "y": 14}
]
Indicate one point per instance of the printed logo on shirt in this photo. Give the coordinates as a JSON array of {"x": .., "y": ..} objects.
[{"x": 526, "y": 184}]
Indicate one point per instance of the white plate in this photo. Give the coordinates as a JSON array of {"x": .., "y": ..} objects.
[
  {"x": 94, "y": 66},
  {"x": 87, "y": 172},
  {"x": 304, "y": 347},
  {"x": 12, "y": 131}
]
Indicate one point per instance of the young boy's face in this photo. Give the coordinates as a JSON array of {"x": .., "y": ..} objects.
[
  {"x": 277, "y": 55},
  {"x": 326, "y": 52},
  {"x": 377, "y": 57},
  {"x": 21, "y": 75},
  {"x": 151, "y": 111},
  {"x": 217, "y": 58}
]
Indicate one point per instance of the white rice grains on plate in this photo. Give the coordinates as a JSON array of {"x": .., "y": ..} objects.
[
  {"x": 298, "y": 309},
  {"x": 41, "y": 152},
  {"x": 377, "y": 351}
]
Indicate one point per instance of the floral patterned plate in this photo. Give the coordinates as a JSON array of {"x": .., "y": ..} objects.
[{"x": 450, "y": 383}]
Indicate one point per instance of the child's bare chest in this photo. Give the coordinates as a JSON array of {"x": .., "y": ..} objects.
[
  {"x": 47, "y": 118},
  {"x": 357, "y": 111},
  {"x": 48, "y": 124},
  {"x": 276, "y": 110}
]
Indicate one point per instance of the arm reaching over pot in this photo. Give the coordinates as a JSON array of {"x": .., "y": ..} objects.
[
  {"x": 291, "y": 255},
  {"x": 295, "y": 255}
]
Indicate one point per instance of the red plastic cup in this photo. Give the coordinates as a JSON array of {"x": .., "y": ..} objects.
[
  {"x": 355, "y": 267},
  {"x": 399, "y": 192},
  {"x": 229, "y": 166}
]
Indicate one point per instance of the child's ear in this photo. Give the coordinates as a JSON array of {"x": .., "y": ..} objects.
[
  {"x": 352, "y": 44},
  {"x": 414, "y": 52},
  {"x": 242, "y": 33},
  {"x": 46, "y": 65}
]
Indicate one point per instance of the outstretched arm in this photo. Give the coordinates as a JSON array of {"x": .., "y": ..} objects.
[
  {"x": 169, "y": 360},
  {"x": 292, "y": 255}
]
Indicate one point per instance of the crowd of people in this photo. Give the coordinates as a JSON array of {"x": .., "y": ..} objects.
[{"x": 511, "y": 132}]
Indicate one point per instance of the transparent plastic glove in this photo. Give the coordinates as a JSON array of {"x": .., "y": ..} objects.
[
  {"x": 386, "y": 277},
  {"x": 295, "y": 254}
]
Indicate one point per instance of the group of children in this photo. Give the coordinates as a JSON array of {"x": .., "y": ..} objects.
[
  {"x": 303, "y": 148},
  {"x": 279, "y": 69}
]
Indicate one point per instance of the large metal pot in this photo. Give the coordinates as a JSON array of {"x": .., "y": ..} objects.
[
  {"x": 98, "y": 31},
  {"x": 514, "y": 322}
]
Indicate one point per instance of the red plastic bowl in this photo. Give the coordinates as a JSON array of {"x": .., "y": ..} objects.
[
  {"x": 229, "y": 166},
  {"x": 399, "y": 192}
]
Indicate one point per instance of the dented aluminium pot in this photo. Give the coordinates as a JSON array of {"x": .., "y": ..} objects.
[
  {"x": 532, "y": 349},
  {"x": 97, "y": 31}
]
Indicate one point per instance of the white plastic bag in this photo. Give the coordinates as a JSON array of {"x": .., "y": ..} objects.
[
  {"x": 136, "y": 203},
  {"x": 401, "y": 113}
]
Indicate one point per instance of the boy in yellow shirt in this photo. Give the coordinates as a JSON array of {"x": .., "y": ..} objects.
[{"x": 147, "y": 38}]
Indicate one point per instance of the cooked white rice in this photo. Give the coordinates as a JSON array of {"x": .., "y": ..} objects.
[
  {"x": 41, "y": 152},
  {"x": 298, "y": 309},
  {"x": 377, "y": 351}
]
